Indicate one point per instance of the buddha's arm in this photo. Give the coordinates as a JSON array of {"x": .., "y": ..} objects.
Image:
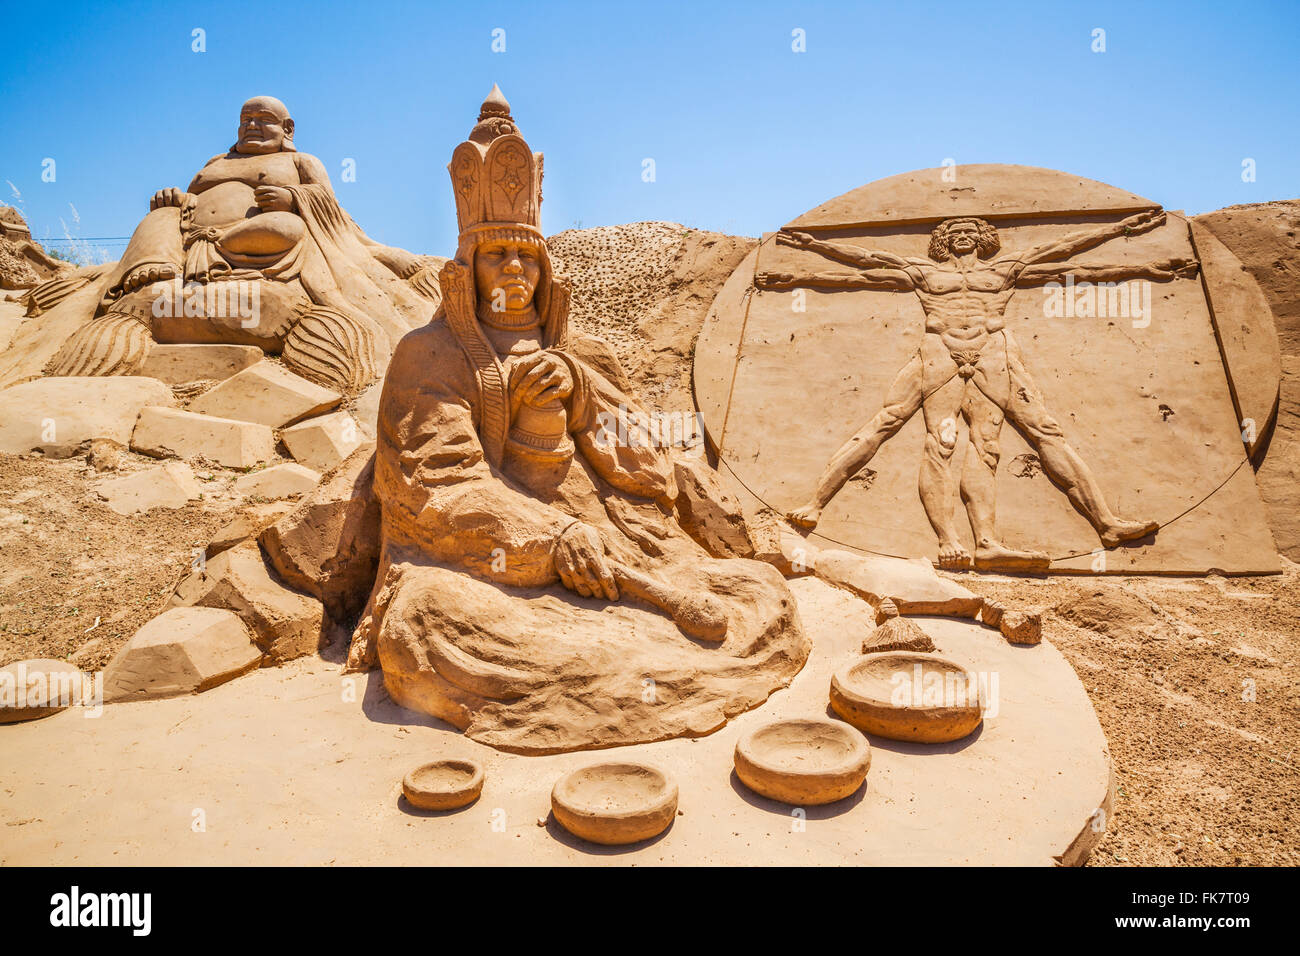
[
  {"x": 435, "y": 485},
  {"x": 614, "y": 434}
]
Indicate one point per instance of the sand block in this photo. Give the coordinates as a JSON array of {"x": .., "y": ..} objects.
[
  {"x": 708, "y": 513},
  {"x": 171, "y": 431},
  {"x": 184, "y": 650},
  {"x": 321, "y": 443},
  {"x": 278, "y": 481},
  {"x": 178, "y": 364},
  {"x": 366, "y": 409},
  {"x": 328, "y": 545},
  {"x": 285, "y": 623},
  {"x": 247, "y": 524},
  {"x": 267, "y": 394},
  {"x": 911, "y": 584},
  {"x": 55, "y": 415},
  {"x": 171, "y": 485},
  {"x": 38, "y": 688}
]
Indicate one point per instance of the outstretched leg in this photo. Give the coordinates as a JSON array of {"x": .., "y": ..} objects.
[
  {"x": 901, "y": 403},
  {"x": 942, "y": 406},
  {"x": 1062, "y": 464},
  {"x": 979, "y": 491}
]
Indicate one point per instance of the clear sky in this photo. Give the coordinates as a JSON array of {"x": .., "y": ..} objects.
[{"x": 745, "y": 133}]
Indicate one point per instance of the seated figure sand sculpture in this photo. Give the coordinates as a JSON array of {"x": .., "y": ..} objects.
[
  {"x": 257, "y": 251},
  {"x": 968, "y": 365},
  {"x": 534, "y": 587}
]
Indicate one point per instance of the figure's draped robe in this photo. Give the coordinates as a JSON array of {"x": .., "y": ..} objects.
[{"x": 469, "y": 619}]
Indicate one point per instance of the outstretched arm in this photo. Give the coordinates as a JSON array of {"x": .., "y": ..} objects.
[
  {"x": 893, "y": 279},
  {"x": 842, "y": 252},
  {"x": 1162, "y": 270},
  {"x": 1076, "y": 242}
]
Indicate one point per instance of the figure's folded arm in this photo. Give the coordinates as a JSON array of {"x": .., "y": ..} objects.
[
  {"x": 617, "y": 437},
  {"x": 435, "y": 484}
]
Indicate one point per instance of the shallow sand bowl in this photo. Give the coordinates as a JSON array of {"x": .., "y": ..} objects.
[
  {"x": 615, "y": 803},
  {"x": 905, "y": 695},
  {"x": 443, "y": 784},
  {"x": 803, "y": 761}
]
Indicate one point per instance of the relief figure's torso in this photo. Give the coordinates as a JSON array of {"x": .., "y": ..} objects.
[{"x": 965, "y": 307}]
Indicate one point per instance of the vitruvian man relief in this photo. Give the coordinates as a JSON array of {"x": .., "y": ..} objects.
[{"x": 969, "y": 366}]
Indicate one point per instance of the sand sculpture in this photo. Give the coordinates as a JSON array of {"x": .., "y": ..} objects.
[
  {"x": 968, "y": 365},
  {"x": 535, "y": 586},
  {"x": 1038, "y": 295},
  {"x": 256, "y": 251}
]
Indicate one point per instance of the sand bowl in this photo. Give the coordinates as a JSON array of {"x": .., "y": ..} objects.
[
  {"x": 615, "y": 803},
  {"x": 803, "y": 762},
  {"x": 443, "y": 784},
  {"x": 903, "y": 695}
]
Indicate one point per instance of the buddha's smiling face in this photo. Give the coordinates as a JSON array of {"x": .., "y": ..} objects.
[
  {"x": 506, "y": 274},
  {"x": 264, "y": 125}
]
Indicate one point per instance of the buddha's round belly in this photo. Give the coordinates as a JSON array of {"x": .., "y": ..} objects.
[{"x": 224, "y": 204}]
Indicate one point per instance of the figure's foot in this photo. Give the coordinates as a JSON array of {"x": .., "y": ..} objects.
[
  {"x": 147, "y": 275},
  {"x": 1117, "y": 532},
  {"x": 806, "y": 517},
  {"x": 994, "y": 556},
  {"x": 952, "y": 556}
]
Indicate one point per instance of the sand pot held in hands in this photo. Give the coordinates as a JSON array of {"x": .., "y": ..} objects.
[
  {"x": 615, "y": 803},
  {"x": 443, "y": 784},
  {"x": 902, "y": 695},
  {"x": 803, "y": 762}
]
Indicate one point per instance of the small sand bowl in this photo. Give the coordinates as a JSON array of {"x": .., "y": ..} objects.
[
  {"x": 443, "y": 784},
  {"x": 904, "y": 695},
  {"x": 615, "y": 803},
  {"x": 803, "y": 762}
]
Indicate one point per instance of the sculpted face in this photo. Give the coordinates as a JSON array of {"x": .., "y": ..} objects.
[
  {"x": 963, "y": 238},
  {"x": 514, "y": 268},
  {"x": 264, "y": 125}
]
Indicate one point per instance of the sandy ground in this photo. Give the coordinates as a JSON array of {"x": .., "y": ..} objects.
[{"x": 302, "y": 765}]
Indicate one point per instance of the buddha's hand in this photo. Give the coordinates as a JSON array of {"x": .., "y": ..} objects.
[
  {"x": 540, "y": 379},
  {"x": 579, "y": 557},
  {"x": 168, "y": 197},
  {"x": 273, "y": 199}
]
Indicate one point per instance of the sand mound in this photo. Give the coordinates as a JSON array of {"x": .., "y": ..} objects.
[{"x": 646, "y": 287}]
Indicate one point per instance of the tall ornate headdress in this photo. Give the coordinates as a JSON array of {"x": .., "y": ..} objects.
[{"x": 497, "y": 179}]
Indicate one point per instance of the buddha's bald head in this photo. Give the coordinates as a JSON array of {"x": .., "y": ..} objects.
[{"x": 264, "y": 127}]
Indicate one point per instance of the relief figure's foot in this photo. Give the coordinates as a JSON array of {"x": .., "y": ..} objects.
[
  {"x": 806, "y": 516},
  {"x": 953, "y": 556},
  {"x": 995, "y": 556},
  {"x": 1118, "y": 531}
]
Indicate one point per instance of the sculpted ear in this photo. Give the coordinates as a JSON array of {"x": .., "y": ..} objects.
[{"x": 288, "y": 128}]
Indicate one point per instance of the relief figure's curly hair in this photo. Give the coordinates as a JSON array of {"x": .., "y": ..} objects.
[{"x": 986, "y": 245}]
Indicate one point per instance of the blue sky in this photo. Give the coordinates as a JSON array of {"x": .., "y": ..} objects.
[{"x": 745, "y": 133}]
